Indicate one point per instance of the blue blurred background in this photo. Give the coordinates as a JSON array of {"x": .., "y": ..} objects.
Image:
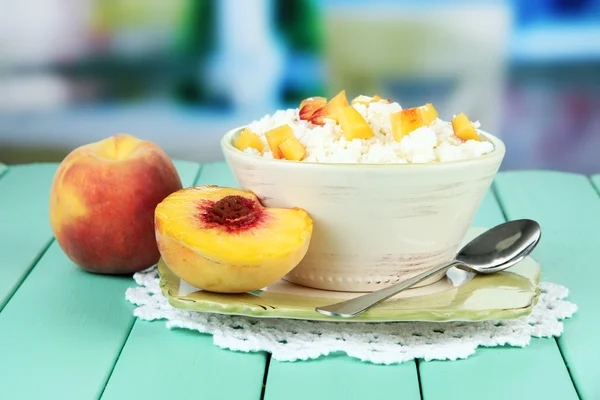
[{"x": 182, "y": 72}]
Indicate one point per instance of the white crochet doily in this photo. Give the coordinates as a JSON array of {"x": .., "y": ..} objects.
[{"x": 380, "y": 343}]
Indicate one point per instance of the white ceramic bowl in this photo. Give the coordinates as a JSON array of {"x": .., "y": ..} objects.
[{"x": 374, "y": 224}]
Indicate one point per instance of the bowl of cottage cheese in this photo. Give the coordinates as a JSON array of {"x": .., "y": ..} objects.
[{"x": 392, "y": 191}]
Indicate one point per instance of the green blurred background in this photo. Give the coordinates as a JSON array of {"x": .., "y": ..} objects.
[{"x": 182, "y": 72}]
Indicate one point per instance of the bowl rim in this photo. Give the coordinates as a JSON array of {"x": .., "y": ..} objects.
[{"x": 497, "y": 153}]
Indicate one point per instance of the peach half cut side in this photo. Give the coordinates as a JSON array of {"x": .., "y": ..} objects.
[{"x": 223, "y": 240}]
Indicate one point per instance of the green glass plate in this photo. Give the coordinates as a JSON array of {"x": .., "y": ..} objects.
[{"x": 459, "y": 296}]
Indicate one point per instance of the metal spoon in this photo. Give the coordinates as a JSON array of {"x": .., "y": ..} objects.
[{"x": 494, "y": 250}]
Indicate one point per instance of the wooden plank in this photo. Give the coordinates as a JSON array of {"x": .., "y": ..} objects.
[
  {"x": 568, "y": 209},
  {"x": 341, "y": 377},
  {"x": 62, "y": 331},
  {"x": 157, "y": 363},
  {"x": 217, "y": 173},
  {"x": 188, "y": 363},
  {"x": 24, "y": 224},
  {"x": 499, "y": 373}
]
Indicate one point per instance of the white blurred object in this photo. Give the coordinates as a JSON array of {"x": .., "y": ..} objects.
[
  {"x": 249, "y": 60},
  {"x": 369, "y": 46},
  {"x": 32, "y": 93},
  {"x": 36, "y": 32}
]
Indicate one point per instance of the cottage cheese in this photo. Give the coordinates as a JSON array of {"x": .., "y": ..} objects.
[{"x": 326, "y": 144}]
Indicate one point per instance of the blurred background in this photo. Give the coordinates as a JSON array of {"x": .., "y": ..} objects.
[{"x": 183, "y": 72}]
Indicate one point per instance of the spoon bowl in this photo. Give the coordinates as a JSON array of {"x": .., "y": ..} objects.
[
  {"x": 494, "y": 250},
  {"x": 500, "y": 247}
]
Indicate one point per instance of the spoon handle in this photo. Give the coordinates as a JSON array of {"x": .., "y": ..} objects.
[{"x": 355, "y": 306}]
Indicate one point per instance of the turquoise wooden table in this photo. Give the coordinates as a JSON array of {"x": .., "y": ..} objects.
[{"x": 67, "y": 334}]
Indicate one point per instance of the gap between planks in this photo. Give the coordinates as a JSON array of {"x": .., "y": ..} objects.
[
  {"x": 198, "y": 173},
  {"x": 3, "y": 170},
  {"x": 26, "y": 274},
  {"x": 419, "y": 378},
  {"x": 560, "y": 350},
  {"x": 265, "y": 377},
  {"x": 562, "y": 355},
  {"x": 114, "y": 364},
  {"x": 597, "y": 188}
]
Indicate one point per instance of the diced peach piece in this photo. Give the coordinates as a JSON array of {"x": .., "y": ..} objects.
[
  {"x": 405, "y": 121},
  {"x": 366, "y": 100},
  {"x": 330, "y": 110},
  {"x": 292, "y": 149},
  {"x": 463, "y": 128},
  {"x": 428, "y": 113},
  {"x": 276, "y": 136},
  {"x": 354, "y": 126},
  {"x": 248, "y": 139},
  {"x": 309, "y": 106}
]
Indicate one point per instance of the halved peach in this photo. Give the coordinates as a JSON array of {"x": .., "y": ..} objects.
[
  {"x": 309, "y": 106},
  {"x": 247, "y": 139},
  {"x": 354, "y": 126},
  {"x": 330, "y": 110},
  {"x": 463, "y": 128},
  {"x": 276, "y": 136},
  {"x": 223, "y": 240}
]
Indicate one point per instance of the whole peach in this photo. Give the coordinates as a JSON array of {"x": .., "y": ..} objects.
[{"x": 102, "y": 203}]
